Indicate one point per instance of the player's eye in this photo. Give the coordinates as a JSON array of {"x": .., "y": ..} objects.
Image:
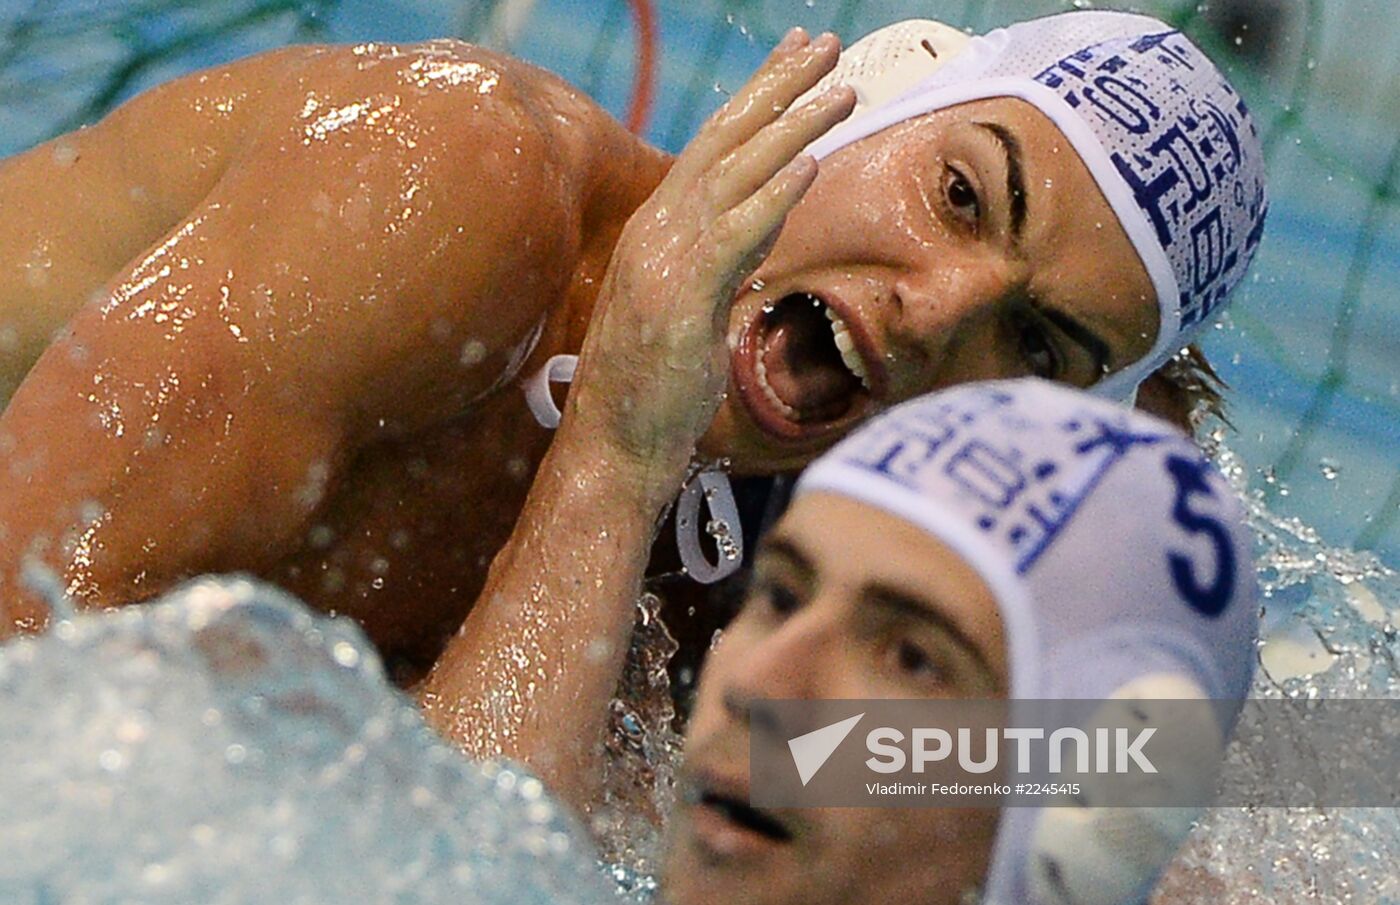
[
  {"x": 961, "y": 198},
  {"x": 913, "y": 662},
  {"x": 1037, "y": 350}
]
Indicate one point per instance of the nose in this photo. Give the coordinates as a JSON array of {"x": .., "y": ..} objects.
[
  {"x": 947, "y": 294},
  {"x": 803, "y": 659}
]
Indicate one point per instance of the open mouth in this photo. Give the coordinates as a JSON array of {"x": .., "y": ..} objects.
[
  {"x": 744, "y": 817},
  {"x": 802, "y": 370}
]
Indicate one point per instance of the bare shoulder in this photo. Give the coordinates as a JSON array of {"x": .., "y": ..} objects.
[
  {"x": 442, "y": 181},
  {"x": 486, "y": 120},
  {"x": 443, "y": 109},
  {"x": 387, "y": 202}
]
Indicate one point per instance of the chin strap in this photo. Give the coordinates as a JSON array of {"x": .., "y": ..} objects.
[
  {"x": 710, "y": 485},
  {"x": 559, "y": 369}
]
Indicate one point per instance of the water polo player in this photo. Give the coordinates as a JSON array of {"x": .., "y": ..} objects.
[
  {"x": 287, "y": 304},
  {"x": 1009, "y": 539}
]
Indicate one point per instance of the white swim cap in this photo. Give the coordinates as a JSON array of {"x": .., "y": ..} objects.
[
  {"x": 1121, "y": 566},
  {"x": 1168, "y": 141}
]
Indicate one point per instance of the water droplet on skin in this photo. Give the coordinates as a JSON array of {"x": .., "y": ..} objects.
[
  {"x": 345, "y": 654},
  {"x": 598, "y": 650},
  {"x": 64, "y": 154}
]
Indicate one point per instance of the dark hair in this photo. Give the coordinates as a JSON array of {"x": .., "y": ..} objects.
[{"x": 1185, "y": 391}]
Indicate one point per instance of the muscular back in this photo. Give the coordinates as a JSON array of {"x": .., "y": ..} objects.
[{"x": 225, "y": 301}]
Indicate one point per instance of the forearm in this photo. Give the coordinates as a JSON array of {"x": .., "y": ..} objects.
[
  {"x": 531, "y": 671},
  {"x": 533, "y": 667}
]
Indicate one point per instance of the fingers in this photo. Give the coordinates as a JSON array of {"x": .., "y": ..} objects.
[
  {"x": 744, "y": 171},
  {"x": 782, "y": 79},
  {"x": 738, "y": 241}
]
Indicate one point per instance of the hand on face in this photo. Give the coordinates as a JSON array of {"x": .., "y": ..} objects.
[
  {"x": 968, "y": 244},
  {"x": 655, "y": 362}
]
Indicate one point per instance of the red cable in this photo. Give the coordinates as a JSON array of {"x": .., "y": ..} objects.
[{"x": 644, "y": 76}]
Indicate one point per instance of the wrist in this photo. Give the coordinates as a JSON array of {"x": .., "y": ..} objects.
[{"x": 646, "y": 475}]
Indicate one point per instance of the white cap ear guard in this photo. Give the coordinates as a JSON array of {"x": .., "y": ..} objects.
[
  {"x": 1098, "y": 855},
  {"x": 888, "y": 62}
]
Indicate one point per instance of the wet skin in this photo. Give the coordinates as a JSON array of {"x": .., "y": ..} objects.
[
  {"x": 847, "y": 602},
  {"x": 285, "y": 312},
  {"x": 948, "y": 269},
  {"x": 283, "y": 295},
  {"x": 304, "y": 370}
]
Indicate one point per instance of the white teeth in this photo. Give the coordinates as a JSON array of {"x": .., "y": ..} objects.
[
  {"x": 850, "y": 357},
  {"x": 788, "y": 411}
]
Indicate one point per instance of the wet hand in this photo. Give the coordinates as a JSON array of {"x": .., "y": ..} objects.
[{"x": 655, "y": 362}]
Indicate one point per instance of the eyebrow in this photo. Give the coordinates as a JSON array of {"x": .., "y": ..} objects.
[
  {"x": 785, "y": 549},
  {"x": 911, "y": 606},
  {"x": 1075, "y": 330},
  {"x": 1015, "y": 174},
  {"x": 893, "y": 600}
]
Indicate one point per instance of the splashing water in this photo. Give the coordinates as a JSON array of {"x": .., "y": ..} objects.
[
  {"x": 162, "y": 693},
  {"x": 227, "y": 746},
  {"x": 1330, "y": 619},
  {"x": 644, "y": 750}
]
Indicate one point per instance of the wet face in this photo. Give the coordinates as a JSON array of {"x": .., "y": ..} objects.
[
  {"x": 877, "y": 609},
  {"x": 967, "y": 244}
]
